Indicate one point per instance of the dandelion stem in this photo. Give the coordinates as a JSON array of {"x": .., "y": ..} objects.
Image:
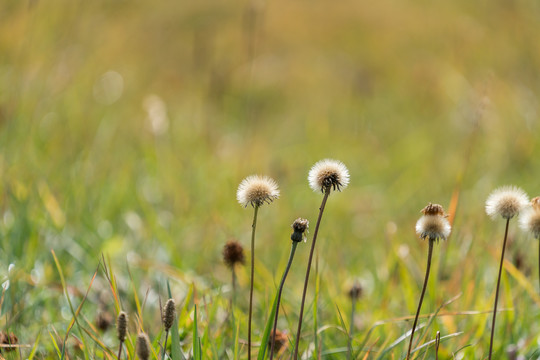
[
  {"x": 256, "y": 210},
  {"x": 497, "y": 291},
  {"x": 321, "y": 210},
  {"x": 430, "y": 253},
  {"x": 289, "y": 263}
]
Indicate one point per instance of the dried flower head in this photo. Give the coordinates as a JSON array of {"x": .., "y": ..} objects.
[
  {"x": 299, "y": 226},
  {"x": 104, "y": 320},
  {"x": 233, "y": 253},
  {"x": 433, "y": 223},
  {"x": 257, "y": 190},
  {"x": 506, "y": 201},
  {"x": 143, "y": 346},
  {"x": 327, "y": 174},
  {"x": 169, "y": 313},
  {"x": 529, "y": 220},
  {"x": 121, "y": 326},
  {"x": 8, "y": 339},
  {"x": 355, "y": 291},
  {"x": 280, "y": 341}
]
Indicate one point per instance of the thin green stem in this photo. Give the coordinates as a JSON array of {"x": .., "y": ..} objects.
[
  {"x": 289, "y": 263},
  {"x": 351, "y": 328},
  {"x": 299, "y": 331},
  {"x": 253, "y": 227},
  {"x": 430, "y": 253},
  {"x": 497, "y": 291}
]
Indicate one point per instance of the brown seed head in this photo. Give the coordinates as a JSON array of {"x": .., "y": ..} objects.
[
  {"x": 280, "y": 342},
  {"x": 104, "y": 320},
  {"x": 535, "y": 203},
  {"x": 121, "y": 326},
  {"x": 233, "y": 253},
  {"x": 8, "y": 339},
  {"x": 169, "y": 313},
  {"x": 433, "y": 209},
  {"x": 355, "y": 292},
  {"x": 143, "y": 346},
  {"x": 299, "y": 226}
]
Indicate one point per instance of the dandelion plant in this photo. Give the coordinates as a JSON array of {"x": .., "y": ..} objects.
[
  {"x": 432, "y": 226},
  {"x": 299, "y": 228},
  {"x": 506, "y": 202},
  {"x": 530, "y": 221},
  {"x": 325, "y": 176},
  {"x": 255, "y": 191}
]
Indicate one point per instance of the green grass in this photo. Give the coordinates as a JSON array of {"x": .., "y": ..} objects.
[{"x": 424, "y": 102}]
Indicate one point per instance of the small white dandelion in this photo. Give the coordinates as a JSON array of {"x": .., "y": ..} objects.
[
  {"x": 433, "y": 224},
  {"x": 506, "y": 201},
  {"x": 257, "y": 190},
  {"x": 328, "y": 174}
]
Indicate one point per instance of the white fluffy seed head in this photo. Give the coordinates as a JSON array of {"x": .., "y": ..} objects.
[
  {"x": 433, "y": 225},
  {"x": 506, "y": 201},
  {"x": 257, "y": 190},
  {"x": 328, "y": 174},
  {"x": 529, "y": 219}
]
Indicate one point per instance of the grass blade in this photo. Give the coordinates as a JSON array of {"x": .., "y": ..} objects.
[{"x": 267, "y": 330}]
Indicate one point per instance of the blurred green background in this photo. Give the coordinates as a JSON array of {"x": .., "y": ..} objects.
[{"x": 126, "y": 127}]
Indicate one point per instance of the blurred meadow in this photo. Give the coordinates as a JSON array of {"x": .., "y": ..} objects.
[{"x": 126, "y": 127}]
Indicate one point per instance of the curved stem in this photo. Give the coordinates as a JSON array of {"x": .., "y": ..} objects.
[
  {"x": 253, "y": 226},
  {"x": 430, "y": 253},
  {"x": 299, "y": 331},
  {"x": 497, "y": 291},
  {"x": 289, "y": 263}
]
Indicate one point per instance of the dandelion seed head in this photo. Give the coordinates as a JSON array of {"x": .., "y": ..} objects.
[
  {"x": 529, "y": 219},
  {"x": 328, "y": 173},
  {"x": 257, "y": 190},
  {"x": 506, "y": 201},
  {"x": 433, "y": 224}
]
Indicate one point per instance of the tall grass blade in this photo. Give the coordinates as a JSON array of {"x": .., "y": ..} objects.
[{"x": 267, "y": 330}]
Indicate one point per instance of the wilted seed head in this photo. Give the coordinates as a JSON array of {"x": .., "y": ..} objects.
[
  {"x": 8, "y": 339},
  {"x": 121, "y": 326},
  {"x": 257, "y": 190},
  {"x": 104, "y": 320},
  {"x": 327, "y": 174},
  {"x": 169, "y": 312},
  {"x": 506, "y": 201},
  {"x": 299, "y": 226},
  {"x": 355, "y": 292},
  {"x": 143, "y": 346},
  {"x": 280, "y": 341},
  {"x": 433, "y": 223},
  {"x": 233, "y": 253},
  {"x": 529, "y": 220}
]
